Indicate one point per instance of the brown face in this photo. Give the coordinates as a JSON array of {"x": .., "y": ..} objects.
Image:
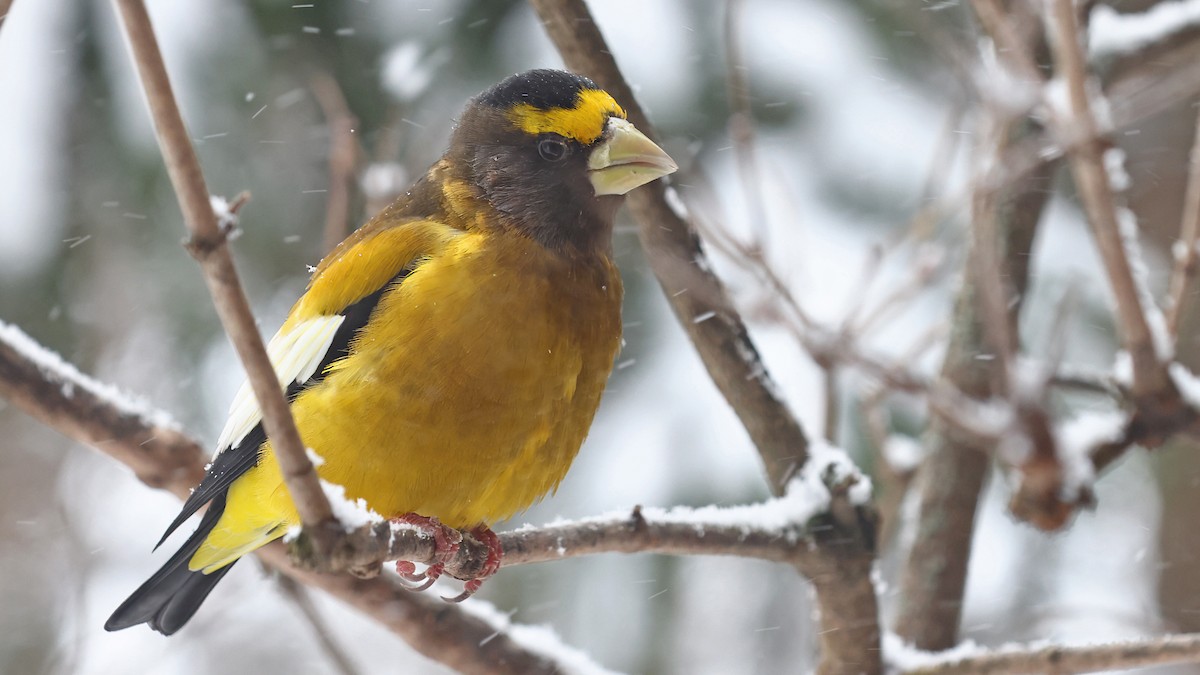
[{"x": 553, "y": 154}]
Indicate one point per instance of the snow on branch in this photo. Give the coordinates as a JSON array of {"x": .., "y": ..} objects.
[
  {"x": 782, "y": 529},
  {"x": 1015, "y": 659},
  {"x": 53, "y": 368},
  {"x": 149, "y": 441}
]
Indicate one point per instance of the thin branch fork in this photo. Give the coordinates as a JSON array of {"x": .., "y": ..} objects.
[{"x": 208, "y": 245}]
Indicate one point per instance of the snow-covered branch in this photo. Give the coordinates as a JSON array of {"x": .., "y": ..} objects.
[
  {"x": 148, "y": 441},
  {"x": 969, "y": 659},
  {"x": 784, "y": 529}
]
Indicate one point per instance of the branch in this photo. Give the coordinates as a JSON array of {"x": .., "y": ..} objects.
[
  {"x": 778, "y": 530},
  {"x": 741, "y": 122},
  {"x": 41, "y": 384},
  {"x": 1094, "y": 183},
  {"x": 343, "y": 158},
  {"x": 683, "y": 270},
  {"x": 50, "y": 390},
  {"x": 1056, "y": 659},
  {"x": 207, "y": 244}
]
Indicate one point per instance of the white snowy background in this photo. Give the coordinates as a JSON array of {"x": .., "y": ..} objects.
[{"x": 90, "y": 265}]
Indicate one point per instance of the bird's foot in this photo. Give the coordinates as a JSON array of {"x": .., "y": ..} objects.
[
  {"x": 495, "y": 553},
  {"x": 446, "y": 541}
]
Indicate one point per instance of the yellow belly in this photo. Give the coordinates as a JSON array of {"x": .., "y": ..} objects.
[{"x": 469, "y": 404}]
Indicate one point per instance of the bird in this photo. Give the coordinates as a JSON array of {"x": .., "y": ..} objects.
[{"x": 447, "y": 358}]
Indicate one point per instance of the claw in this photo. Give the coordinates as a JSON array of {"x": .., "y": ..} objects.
[{"x": 469, "y": 589}]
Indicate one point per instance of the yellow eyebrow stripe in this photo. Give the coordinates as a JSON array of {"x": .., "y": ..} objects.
[{"x": 584, "y": 122}]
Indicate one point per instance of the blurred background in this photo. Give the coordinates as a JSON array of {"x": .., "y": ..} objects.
[{"x": 858, "y": 125}]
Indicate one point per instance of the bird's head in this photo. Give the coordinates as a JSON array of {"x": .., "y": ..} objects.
[{"x": 553, "y": 154}]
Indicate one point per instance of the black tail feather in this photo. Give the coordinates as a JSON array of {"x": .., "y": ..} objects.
[{"x": 169, "y": 598}]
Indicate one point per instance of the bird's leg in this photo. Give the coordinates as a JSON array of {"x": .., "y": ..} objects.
[
  {"x": 445, "y": 545},
  {"x": 492, "y": 565}
]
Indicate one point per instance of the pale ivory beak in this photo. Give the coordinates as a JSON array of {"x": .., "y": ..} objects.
[{"x": 626, "y": 159}]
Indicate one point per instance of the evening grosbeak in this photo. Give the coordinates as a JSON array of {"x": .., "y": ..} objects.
[{"x": 447, "y": 358}]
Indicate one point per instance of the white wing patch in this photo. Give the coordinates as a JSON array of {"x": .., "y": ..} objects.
[{"x": 296, "y": 356}]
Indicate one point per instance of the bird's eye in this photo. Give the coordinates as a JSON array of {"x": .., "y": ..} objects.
[{"x": 552, "y": 149}]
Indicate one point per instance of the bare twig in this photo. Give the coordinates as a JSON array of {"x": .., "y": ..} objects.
[
  {"x": 892, "y": 481},
  {"x": 1088, "y": 658},
  {"x": 344, "y": 152},
  {"x": 208, "y": 245},
  {"x": 1187, "y": 259},
  {"x": 1094, "y": 184},
  {"x": 741, "y": 122}
]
